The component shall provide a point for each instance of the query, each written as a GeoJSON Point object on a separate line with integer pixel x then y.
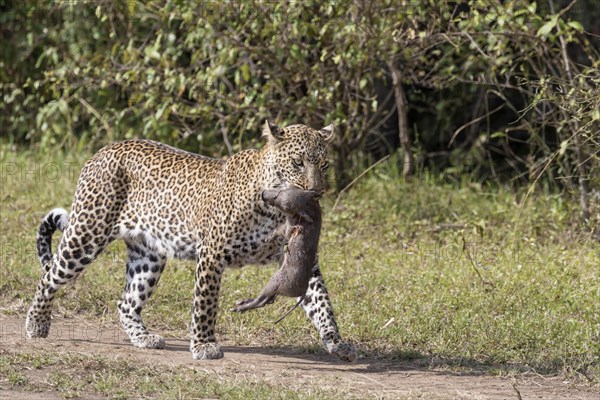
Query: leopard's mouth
{"type": "Point", "coordinates": [286, 185]}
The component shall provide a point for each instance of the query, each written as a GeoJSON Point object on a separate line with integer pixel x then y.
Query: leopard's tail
{"type": "Point", "coordinates": [55, 219]}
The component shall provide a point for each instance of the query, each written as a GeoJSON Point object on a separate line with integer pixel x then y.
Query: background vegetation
{"type": "Point", "coordinates": [502, 89]}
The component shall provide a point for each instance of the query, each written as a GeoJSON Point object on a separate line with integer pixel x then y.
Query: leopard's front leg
{"type": "Point", "coordinates": [204, 314]}
{"type": "Point", "coordinates": [317, 306]}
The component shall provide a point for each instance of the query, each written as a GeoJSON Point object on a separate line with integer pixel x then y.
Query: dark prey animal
{"type": "Point", "coordinates": [303, 229]}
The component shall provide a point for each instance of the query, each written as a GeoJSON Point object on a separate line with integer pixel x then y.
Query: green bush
{"type": "Point", "coordinates": [204, 75]}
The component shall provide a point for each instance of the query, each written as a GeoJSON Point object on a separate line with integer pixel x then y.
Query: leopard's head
{"type": "Point", "coordinates": [298, 155]}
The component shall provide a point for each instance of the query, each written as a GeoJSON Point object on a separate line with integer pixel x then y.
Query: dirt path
{"type": "Point", "coordinates": [368, 378]}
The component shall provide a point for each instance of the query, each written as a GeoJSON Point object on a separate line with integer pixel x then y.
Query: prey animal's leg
{"type": "Point", "coordinates": [250, 304]}
{"type": "Point", "coordinates": [317, 306]}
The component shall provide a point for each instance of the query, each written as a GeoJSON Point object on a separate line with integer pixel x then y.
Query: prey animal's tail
{"type": "Point", "coordinates": [301, 299]}
{"type": "Point", "coordinates": [55, 219]}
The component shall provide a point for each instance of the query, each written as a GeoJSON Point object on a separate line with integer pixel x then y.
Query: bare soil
{"type": "Point", "coordinates": [368, 378]}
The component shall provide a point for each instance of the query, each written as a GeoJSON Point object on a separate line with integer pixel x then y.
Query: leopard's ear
{"type": "Point", "coordinates": [327, 133]}
{"type": "Point", "coordinates": [272, 132]}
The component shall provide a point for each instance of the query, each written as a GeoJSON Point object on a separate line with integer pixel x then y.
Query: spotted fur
{"type": "Point", "coordinates": [164, 203]}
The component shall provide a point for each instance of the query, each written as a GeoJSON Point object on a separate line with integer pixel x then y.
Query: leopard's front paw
{"type": "Point", "coordinates": [344, 351]}
{"type": "Point", "coordinates": [149, 341]}
{"type": "Point", "coordinates": [207, 351]}
{"type": "Point", "coordinates": [37, 326]}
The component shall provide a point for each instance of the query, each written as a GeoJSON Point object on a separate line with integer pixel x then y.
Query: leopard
{"type": "Point", "coordinates": [167, 203]}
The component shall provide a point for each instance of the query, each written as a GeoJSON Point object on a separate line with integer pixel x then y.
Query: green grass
{"type": "Point", "coordinates": [75, 375]}
{"type": "Point", "coordinates": [469, 274]}
{"type": "Point", "coordinates": [412, 252]}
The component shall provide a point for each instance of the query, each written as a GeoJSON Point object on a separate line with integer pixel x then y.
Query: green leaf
{"type": "Point", "coordinates": [575, 25]}
{"type": "Point", "coordinates": [159, 113]}
{"type": "Point", "coordinates": [295, 51]}
{"type": "Point", "coordinates": [545, 29]}
{"type": "Point", "coordinates": [564, 145]}
{"type": "Point", "coordinates": [245, 72]}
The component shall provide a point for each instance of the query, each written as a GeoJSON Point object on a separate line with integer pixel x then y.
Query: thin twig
{"type": "Point", "coordinates": [91, 109]}
{"type": "Point", "coordinates": [518, 392]}
{"type": "Point", "coordinates": [459, 130]}
{"type": "Point", "coordinates": [339, 196]}
{"type": "Point", "coordinates": [466, 250]}
{"type": "Point", "coordinates": [529, 190]}
{"type": "Point", "coordinates": [401, 108]}
{"type": "Point", "coordinates": [474, 43]}
{"type": "Point", "coordinates": [225, 138]}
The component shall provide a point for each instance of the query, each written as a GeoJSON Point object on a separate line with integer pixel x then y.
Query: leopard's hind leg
{"type": "Point", "coordinates": [89, 228]}
{"type": "Point", "coordinates": [76, 250]}
{"type": "Point", "coordinates": [144, 267]}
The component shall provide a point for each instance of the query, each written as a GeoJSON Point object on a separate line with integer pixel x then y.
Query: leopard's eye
{"type": "Point", "coordinates": [298, 162]}
{"type": "Point", "coordinates": [324, 165]}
